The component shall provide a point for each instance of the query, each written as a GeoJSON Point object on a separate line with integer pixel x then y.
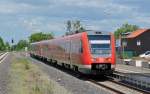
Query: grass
{"type": "Point", "coordinates": [27, 78]}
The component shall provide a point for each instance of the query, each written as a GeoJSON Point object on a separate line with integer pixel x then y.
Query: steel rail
{"type": "Point", "coordinates": [102, 85]}
{"type": "Point", "coordinates": [107, 87]}
{"type": "Point", "coordinates": [131, 87]}
{"type": "Point", "coordinates": [112, 79]}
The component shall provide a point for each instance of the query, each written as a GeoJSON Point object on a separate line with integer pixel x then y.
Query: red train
{"type": "Point", "coordinates": [87, 52]}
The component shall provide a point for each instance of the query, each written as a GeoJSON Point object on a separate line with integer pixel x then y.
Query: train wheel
{"type": "Point", "coordinates": [76, 68]}
{"type": "Point", "coordinates": [50, 61]}
{"type": "Point", "coordinates": [55, 63]}
{"type": "Point", "coordinates": [63, 65]}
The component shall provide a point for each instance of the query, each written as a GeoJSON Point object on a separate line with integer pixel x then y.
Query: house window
{"type": "Point", "coordinates": [124, 43]}
{"type": "Point", "coordinates": [138, 42]}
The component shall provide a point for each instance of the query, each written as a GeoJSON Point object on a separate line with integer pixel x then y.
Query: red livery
{"type": "Point", "coordinates": [87, 52]}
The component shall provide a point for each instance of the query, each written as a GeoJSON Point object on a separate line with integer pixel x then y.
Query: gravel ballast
{"type": "Point", "coordinates": [71, 83]}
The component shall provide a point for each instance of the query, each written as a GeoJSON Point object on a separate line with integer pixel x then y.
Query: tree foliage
{"type": "Point", "coordinates": [74, 27]}
{"type": "Point", "coordinates": [124, 29]}
{"type": "Point", "coordinates": [22, 44]}
{"type": "Point", "coordinates": [40, 36]}
{"type": "Point", "coordinates": [69, 25]}
{"type": "Point", "coordinates": [7, 46]}
{"type": "Point", "coordinates": [2, 45]}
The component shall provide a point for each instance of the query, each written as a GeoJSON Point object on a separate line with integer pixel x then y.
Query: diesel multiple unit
{"type": "Point", "coordinates": [88, 52]}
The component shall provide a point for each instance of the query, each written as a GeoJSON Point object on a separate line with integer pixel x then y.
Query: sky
{"type": "Point", "coordinates": [21, 18]}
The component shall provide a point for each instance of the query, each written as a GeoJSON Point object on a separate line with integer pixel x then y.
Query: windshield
{"type": "Point", "coordinates": [100, 45]}
{"type": "Point", "coordinates": [99, 37]}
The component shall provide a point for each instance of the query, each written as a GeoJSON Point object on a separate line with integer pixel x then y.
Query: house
{"type": "Point", "coordinates": [137, 41]}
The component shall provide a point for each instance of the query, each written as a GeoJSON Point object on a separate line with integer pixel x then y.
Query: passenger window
{"type": "Point", "coordinates": [81, 48]}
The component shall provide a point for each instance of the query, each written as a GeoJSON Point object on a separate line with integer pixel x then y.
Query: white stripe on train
{"type": "Point", "coordinates": [100, 41]}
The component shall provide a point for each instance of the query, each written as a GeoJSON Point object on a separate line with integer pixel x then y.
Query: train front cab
{"type": "Point", "coordinates": [98, 53]}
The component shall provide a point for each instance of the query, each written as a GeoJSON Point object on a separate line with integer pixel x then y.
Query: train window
{"type": "Point", "coordinates": [81, 50]}
{"type": "Point", "coordinates": [80, 47]}
{"type": "Point", "coordinates": [100, 45]}
{"type": "Point", "coordinates": [73, 46]}
{"type": "Point", "coordinates": [99, 37]}
{"type": "Point", "coordinates": [67, 46]}
{"type": "Point", "coordinates": [76, 46]}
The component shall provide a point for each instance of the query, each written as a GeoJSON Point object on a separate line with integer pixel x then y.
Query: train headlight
{"type": "Point", "coordinates": [108, 59]}
{"type": "Point", "coordinates": [93, 59]}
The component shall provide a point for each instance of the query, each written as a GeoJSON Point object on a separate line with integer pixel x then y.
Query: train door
{"type": "Point", "coordinates": [70, 52]}
{"type": "Point", "coordinates": [75, 53]}
{"type": "Point", "coordinates": [41, 50]}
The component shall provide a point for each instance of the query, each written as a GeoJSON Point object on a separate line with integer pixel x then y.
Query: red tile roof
{"type": "Point", "coordinates": [137, 33]}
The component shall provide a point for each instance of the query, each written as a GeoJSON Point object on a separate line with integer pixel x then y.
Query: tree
{"type": "Point", "coordinates": [124, 29]}
{"type": "Point", "coordinates": [74, 27]}
{"type": "Point", "coordinates": [7, 46]}
{"type": "Point", "coordinates": [69, 25]}
{"type": "Point", "coordinates": [21, 45]}
{"type": "Point", "coordinates": [77, 26]}
{"type": "Point", "coordinates": [2, 45]}
{"type": "Point", "coordinates": [40, 36]}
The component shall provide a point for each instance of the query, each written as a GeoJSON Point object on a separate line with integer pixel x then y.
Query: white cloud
{"type": "Point", "coordinates": [115, 9]}
{"type": "Point", "coordinates": [105, 25]}
{"type": "Point", "coordinates": [77, 3]}
{"type": "Point", "coordinates": [105, 15]}
{"type": "Point", "coordinates": [108, 6]}
{"type": "Point", "coordinates": [10, 7]}
{"type": "Point", "coordinates": [38, 24]}
{"type": "Point", "coordinates": [143, 19]}
{"type": "Point", "coordinates": [56, 6]}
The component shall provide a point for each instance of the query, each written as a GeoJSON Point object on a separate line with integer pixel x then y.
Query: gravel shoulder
{"type": "Point", "coordinates": [71, 83]}
{"type": "Point", "coordinates": [68, 82]}
{"type": "Point", "coordinates": [9, 85]}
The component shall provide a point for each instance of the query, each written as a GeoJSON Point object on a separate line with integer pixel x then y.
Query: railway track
{"type": "Point", "coordinates": [106, 87]}
{"type": "Point", "coordinates": [111, 84]}
{"type": "Point", "coordinates": [118, 87]}
{"type": "Point", "coordinates": [130, 82]}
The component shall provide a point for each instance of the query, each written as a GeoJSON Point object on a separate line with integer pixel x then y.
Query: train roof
{"type": "Point", "coordinates": [43, 41]}
{"type": "Point", "coordinates": [89, 32]}
{"type": "Point", "coordinates": [94, 32]}
{"type": "Point", "coordinates": [59, 38]}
